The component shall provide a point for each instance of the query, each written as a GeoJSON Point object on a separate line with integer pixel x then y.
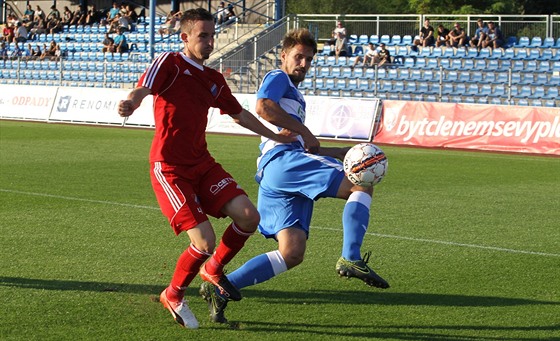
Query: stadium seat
{"type": "Point", "coordinates": [557, 44]}
{"type": "Point", "coordinates": [363, 39]}
{"type": "Point", "coordinates": [430, 76]}
{"type": "Point", "coordinates": [447, 89]}
{"type": "Point", "coordinates": [548, 42]}
{"type": "Point", "coordinates": [483, 54]}
{"type": "Point", "coordinates": [520, 54]}
{"type": "Point", "coordinates": [546, 55]}
{"type": "Point", "coordinates": [374, 38]}
{"type": "Point", "coordinates": [496, 54]}
{"type": "Point", "coordinates": [415, 75]}
{"type": "Point", "coordinates": [437, 52]}
{"type": "Point", "coordinates": [523, 42]}
{"type": "Point", "coordinates": [406, 40]}
{"type": "Point", "coordinates": [456, 64]}
{"type": "Point", "coordinates": [353, 39]}
{"type": "Point", "coordinates": [508, 54]}
{"type": "Point", "coordinates": [552, 93]}
{"type": "Point", "coordinates": [471, 53]}
{"type": "Point", "coordinates": [522, 102]}
{"type": "Point", "coordinates": [448, 53]}
{"type": "Point", "coordinates": [530, 66]}
{"type": "Point", "coordinates": [518, 66]}
{"type": "Point", "coordinates": [472, 90]}
{"type": "Point", "coordinates": [526, 78]}
{"type": "Point", "coordinates": [485, 90]}
{"type": "Point", "coordinates": [432, 64]}
{"type": "Point", "coordinates": [550, 103]}
{"type": "Point", "coordinates": [358, 51]}
{"type": "Point", "coordinates": [479, 64]}
{"type": "Point", "coordinates": [464, 76]}
{"type": "Point", "coordinates": [499, 90]}
{"type": "Point", "coordinates": [495, 101]}
{"type": "Point", "coordinates": [536, 42]}
{"type": "Point", "coordinates": [468, 64]}
{"type": "Point", "coordinates": [476, 77]}
{"type": "Point", "coordinates": [385, 39]}
{"type": "Point", "coordinates": [396, 40]}
{"type": "Point", "coordinates": [533, 54]}
{"type": "Point", "coordinates": [541, 78]}
{"type": "Point", "coordinates": [538, 92]}
{"type": "Point", "coordinates": [409, 87]}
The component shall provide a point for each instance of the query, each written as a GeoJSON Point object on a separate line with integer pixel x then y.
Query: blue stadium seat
{"type": "Point", "coordinates": [479, 64]}
{"type": "Point", "coordinates": [456, 64]}
{"type": "Point", "coordinates": [518, 66]}
{"type": "Point", "coordinates": [522, 102]}
{"type": "Point", "coordinates": [496, 54]}
{"type": "Point", "coordinates": [464, 76]}
{"type": "Point", "coordinates": [546, 55]}
{"type": "Point", "coordinates": [550, 103]}
{"type": "Point", "coordinates": [485, 90]}
{"type": "Point", "coordinates": [552, 93]}
{"type": "Point", "coordinates": [447, 89]}
{"type": "Point", "coordinates": [548, 42]}
{"type": "Point", "coordinates": [421, 63]}
{"type": "Point", "coordinates": [335, 72]}
{"type": "Point", "coordinates": [358, 51]}
{"type": "Point", "coordinates": [476, 77]}
{"type": "Point", "coordinates": [472, 90]}
{"type": "Point", "coordinates": [409, 62]}
{"type": "Point", "coordinates": [385, 39]}
{"type": "Point", "coordinates": [499, 90]}
{"type": "Point", "coordinates": [415, 75]}
{"type": "Point", "coordinates": [374, 38]}
{"type": "Point", "coordinates": [538, 92]}
{"type": "Point", "coordinates": [534, 53]}
{"type": "Point", "coordinates": [508, 54]}
{"type": "Point", "coordinates": [396, 40]}
{"type": "Point", "coordinates": [495, 101]}
{"type": "Point", "coordinates": [363, 39]}
{"type": "Point", "coordinates": [429, 76]}
{"type": "Point", "coordinates": [520, 54]}
{"type": "Point", "coordinates": [406, 40]}
{"type": "Point", "coordinates": [448, 53]}
{"type": "Point", "coordinates": [530, 66]}
{"type": "Point", "coordinates": [437, 52]}
{"type": "Point", "coordinates": [536, 103]}
{"type": "Point", "coordinates": [483, 53]}
{"type": "Point", "coordinates": [536, 42]}
{"type": "Point", "coordinates": [468, 64]}
{"type": "Point", "coordinates": [432, 64]}
{"type": "Point", "coordinates": [557, 44]}
{"type": "Point", "coordinates": [526, 78]}
{"type": "Point", "coordinates": [523, 42]}
{"type": "Point", "coordinates": [353, 39]}
{"type": "Point", "coordinates": [471, 53]}
{"type": "Point", "coordinates": [541, 79]}
{"type": "Point", "coordinates": [409, 87]}
{"type": "Point", "coordinates": [460, 52]}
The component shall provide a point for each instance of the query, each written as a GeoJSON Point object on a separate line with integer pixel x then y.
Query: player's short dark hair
{"type": "Point", "coordinates": [299, 36]}
{"type": "Point", "coordinates": [192, 15]}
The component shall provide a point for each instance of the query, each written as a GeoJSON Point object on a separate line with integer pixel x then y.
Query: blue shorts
{"type": "Point", "coordinates": [290, 184]}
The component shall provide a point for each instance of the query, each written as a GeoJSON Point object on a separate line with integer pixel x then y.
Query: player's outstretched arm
{"type": "Point", "coordinates": [273, 113]}
{"type": "Point", "coordinates": [133, 101]}
{"type": "Point", "coordinates": [249, 121]}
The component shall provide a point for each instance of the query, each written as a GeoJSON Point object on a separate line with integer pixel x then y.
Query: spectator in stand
{"type": "Point", "coordinates": [38, 28]}
{"type": "Point", "coordinates": [130, 14]}
{"type": "Point", "coordinates": [340, 29]}
{"type": "Point", "coordinates": [121, 44]}
{"type": "Point", "coordinates": [48, 52]}
{"type": "Point", "coordinates": [54, 26]}
{"type": "Point", "coordinates": [384, 55]}
{"type": "Point", "coordinates": [221, 14]}
{"type": "Point", "coordinates": [230, 15]}
{"type": "Point", "coordinates": [94, 16]}
{"type": "Point", "coordinates": [29, 14]}
{"type": "Point", "coordinates": [479, 35]}
{"type": "Point", "coordinates": [20, 33]}
{"type": "Point", "coordinates": [426, 36]}
{"type": "Point", "coordinates": [39, 14]}
{"type": "Point", "coordinates": [443, 36]}
{"type": "Point", "coordinates": [54, 14]}
{"type": "Point", "coordinates": [36, 52]}
{"type": "Point", "coordinates": [457, 36]}
{"type": "Point", "coordinates": [108, 44]}
{"type": "Point", "coordinates": [3, 51]}
{"type": "Point", "coordinates": [341, 46]}
{"type": "Point", "coordinates": [28, 52]}
{"type": "Point", "coordinates": [172, 23]}
{"type": "Point", "coordinates": [8, 33]}
{"type": "Point", "coordinates": [17, 52]}
{"type": "Point", "coordinates": [67, 16]}
{"type": "Point", "coordinates": [495, 38]}
{"type": "Point", "coordinates": [370, 56]}
{"type": "Point", "coordinates": [79, 16]}
{"type": "Point", "coordinates": [113, 12]}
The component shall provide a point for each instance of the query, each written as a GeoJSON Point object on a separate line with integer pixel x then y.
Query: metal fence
{"type": "Point", "coordinates": [410, 24]}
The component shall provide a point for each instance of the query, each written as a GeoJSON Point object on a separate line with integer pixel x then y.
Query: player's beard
{"type": "Point", "coordinates": [297, 78]}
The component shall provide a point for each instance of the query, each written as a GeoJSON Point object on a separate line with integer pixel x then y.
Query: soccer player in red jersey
{"type": "Point", "coordinates": [187, 181]}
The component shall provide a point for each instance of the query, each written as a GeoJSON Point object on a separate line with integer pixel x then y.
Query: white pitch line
{"type": "Point", "coordinates": [493, 248]}
{"type": "Point", "coordinates": [79, 199]}
{"type": "Point", "coordinates": [451, 243]}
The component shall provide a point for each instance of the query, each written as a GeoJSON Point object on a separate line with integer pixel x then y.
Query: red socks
{"type": "Point", "coordinates": [232, 241]}
{"type": "Point", "coordinates": [186, 270]}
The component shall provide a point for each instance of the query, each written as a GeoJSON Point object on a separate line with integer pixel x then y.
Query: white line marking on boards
{"type": "Point", "coordinates": [492, 248]}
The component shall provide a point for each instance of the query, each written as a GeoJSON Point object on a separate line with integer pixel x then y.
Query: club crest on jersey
{"type": "Point", "coordinates": [187, 72]}
{"type": "Point", "coordinates": [214, 90]}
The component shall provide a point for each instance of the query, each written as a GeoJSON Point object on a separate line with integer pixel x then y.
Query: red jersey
{"type": "Point", "coordinates": [183, 93]}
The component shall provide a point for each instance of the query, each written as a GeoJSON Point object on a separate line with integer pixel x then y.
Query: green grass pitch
{"type": "Point", "coordinates": [469, 241]}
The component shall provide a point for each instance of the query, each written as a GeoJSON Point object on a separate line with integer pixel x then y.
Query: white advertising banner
{"type": "Point", "coordinates": [26, 102]}
{"type": "Point", "coordinates": [338, 118]}
{"type": "Point", "coordinates": [87, 105]}
{"type": "Point", "coordinates": [341, 118]}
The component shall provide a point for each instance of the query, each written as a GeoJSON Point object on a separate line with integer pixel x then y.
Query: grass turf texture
{"type": "Point", "coordinates": [469, 242]}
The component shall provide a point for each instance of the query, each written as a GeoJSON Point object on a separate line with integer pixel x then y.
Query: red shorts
{"type": "Point", "coordinates": [187, 193]}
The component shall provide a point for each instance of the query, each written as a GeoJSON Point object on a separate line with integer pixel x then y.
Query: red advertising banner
{"type": "Point", "coordinates": [485, 127]}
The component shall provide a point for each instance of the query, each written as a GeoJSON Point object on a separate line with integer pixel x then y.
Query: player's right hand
{"type": "Point", "coordinates": [126, 108]}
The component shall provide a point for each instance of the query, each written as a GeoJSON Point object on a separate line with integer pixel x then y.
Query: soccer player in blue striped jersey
{"type": "Point", "coordinates": [291, 177]}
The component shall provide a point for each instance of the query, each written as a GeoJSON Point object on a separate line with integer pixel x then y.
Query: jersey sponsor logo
{"type": "Point", "coordinates": [214, 189]}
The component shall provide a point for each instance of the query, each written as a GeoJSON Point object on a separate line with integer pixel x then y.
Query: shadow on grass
{"type": "Point", "coordinates": [379, 297]}
{"type": "Point", "coordinates": [401, 332]}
